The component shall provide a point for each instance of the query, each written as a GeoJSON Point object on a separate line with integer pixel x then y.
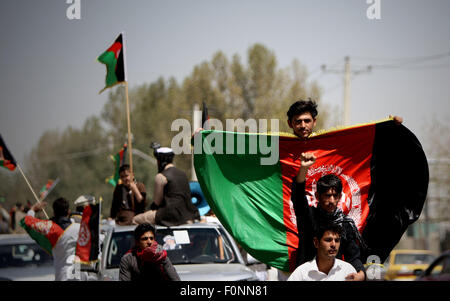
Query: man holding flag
{"type": "Point", "coordinates": [255, 204]}
{"type": "Point", "coordinates": [57, 236]}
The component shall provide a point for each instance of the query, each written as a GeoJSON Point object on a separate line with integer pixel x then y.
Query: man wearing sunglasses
{"type": "Point", "coordinates": [147, 260]}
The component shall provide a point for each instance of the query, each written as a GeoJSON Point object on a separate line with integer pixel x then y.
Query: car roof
{"type": "Point", "coordinates": [7, 239]}
{"type": "Point", "coordinates": [118, 228]}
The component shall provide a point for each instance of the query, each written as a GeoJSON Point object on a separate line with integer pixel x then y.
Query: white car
{"type": "Point", "coordinates": [22, 259]}
{"type": "Point", "coordinates": [199, 252]}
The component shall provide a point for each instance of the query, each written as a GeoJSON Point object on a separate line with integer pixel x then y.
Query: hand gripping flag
{"type": "Point", "coordinates": [382, 166]}
{"type": "Point", "coordinates": [6, 159]}
{"type": "Point", "coordinates": [87, 249]}
{"type": "Point", "coordinates": [113, 58]}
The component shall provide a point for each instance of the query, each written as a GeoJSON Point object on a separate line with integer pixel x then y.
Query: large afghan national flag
{"type": "Point", "coordinates": [45, 232]}
{"type": "Point", "coordinates": [382, 166]}
{"type": "Point", "coordinates": [6, 159]}
{"type": "Point", "coordinates": [88, 244]}
{"type": "Point", "coordinates": [113, 58]}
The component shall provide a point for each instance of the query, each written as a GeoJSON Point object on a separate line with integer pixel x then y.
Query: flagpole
{"type": "Point", "coordinates": [29, 186]}
{"type": "Point", "coordinates": [126, 95]}
{"type": "Point", "coordinates": [129, 128]}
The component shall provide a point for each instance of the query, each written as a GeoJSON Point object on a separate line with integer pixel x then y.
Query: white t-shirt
{"type": "Point", "coordinates": [310, 272]}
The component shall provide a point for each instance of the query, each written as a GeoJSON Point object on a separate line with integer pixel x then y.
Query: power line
{"type": "Point", "coordinates": [405, 63]}
{"type": "Point", "coordinates": [74, 155]}
{"type": "Point", "coordinates": [417, 58]}
{"type": "Point", "coordinates": [347, 76]}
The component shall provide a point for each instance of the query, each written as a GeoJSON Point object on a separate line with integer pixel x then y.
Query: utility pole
{"type": "Point", "coordinates": [197, 123]}
{"type": "Point", "coordinates": [347, 75]}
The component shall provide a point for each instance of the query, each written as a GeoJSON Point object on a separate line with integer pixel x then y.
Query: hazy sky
{"type": "Point", "coordinates": [50, 78]}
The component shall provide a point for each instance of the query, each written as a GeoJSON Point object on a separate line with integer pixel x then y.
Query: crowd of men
{"type": "Point", "coordinates": [329, 249]}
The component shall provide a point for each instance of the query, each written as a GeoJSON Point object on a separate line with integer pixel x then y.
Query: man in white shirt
{"type": "Point", "coordinates": [325, 266]}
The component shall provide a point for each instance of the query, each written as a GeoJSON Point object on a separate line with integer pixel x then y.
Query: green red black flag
{"type": "Point", "coordinates": [45, 232]}
{"type": "Point", "coordinates": [119, 160]}
{"type": "Point", "coordinates": [113, 58]}
{"type": "Point", "coordinates": [382, 166]}
{"type": "Point", "coordinates": [47, 188]}
{"type": "Point", "coordinates": [6, 158]}
{"type": "Point", "coordinates": [87, 249]}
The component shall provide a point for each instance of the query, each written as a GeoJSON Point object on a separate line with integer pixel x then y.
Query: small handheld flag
{"type": "Point", "coordinates": [88, 238]}
{"type": "Point", "coordinates": [47, 188]}
{"type": "Point", "coordinates": [119, 160]}
{"type": "Point", "coordinates": [45, 232]}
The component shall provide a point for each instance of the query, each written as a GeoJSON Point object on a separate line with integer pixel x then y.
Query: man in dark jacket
{"type": "Point", "coordinates": [172, 203]}
{"type": "Point", "coordinates": [147, 260]}
{"type": "Point", "coordinates": [129, 197]}
{"type": "Point", "coordinates": [329, 189]}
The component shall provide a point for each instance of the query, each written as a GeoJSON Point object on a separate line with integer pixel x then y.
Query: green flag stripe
{"type": "Point", "coordinates": [109, 59]}
{"type": "Point", "coordinates": [246, 196]}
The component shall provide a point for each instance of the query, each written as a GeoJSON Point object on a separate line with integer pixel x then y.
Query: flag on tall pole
{"type": "Point", "coordinates": [113, 58]}
{"type": "Point", "coordinates": [116, 72]}
{"type": "Point", "coordinates": [6, 158]}
{"type": "Point", "coordinates": [382, 166]}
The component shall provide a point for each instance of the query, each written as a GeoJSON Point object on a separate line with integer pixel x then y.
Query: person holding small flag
{"type": "Point", "coordinates": [57, 236]}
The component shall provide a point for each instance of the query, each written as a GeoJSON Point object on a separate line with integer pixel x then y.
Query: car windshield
{"type": "Point", "coordinates": [414, 258]}
{"type": "Point", "coordinates": [24, 254]}
{"type": "Point", "coordinates": [183, 246]}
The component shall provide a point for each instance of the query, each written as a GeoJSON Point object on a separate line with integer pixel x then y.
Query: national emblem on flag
{"type": "Point", "coordinates": [45, 232]}
{"type": "Point", "coordinates": [87, 249]}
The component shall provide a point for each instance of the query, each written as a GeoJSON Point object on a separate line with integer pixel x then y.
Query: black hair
{"type": "Point", "coordinates": [143, 228]}
{"type": "Point", "coordinates": [330, 226]}
{"type": "Point", "coordinates": [124, 167]}
{"type": "Point", "coordinates": [302, 106]}
{"type": "Point", "coordinates": [60, 207]}
{"type": "Point", "coordinates": [329, 181]}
